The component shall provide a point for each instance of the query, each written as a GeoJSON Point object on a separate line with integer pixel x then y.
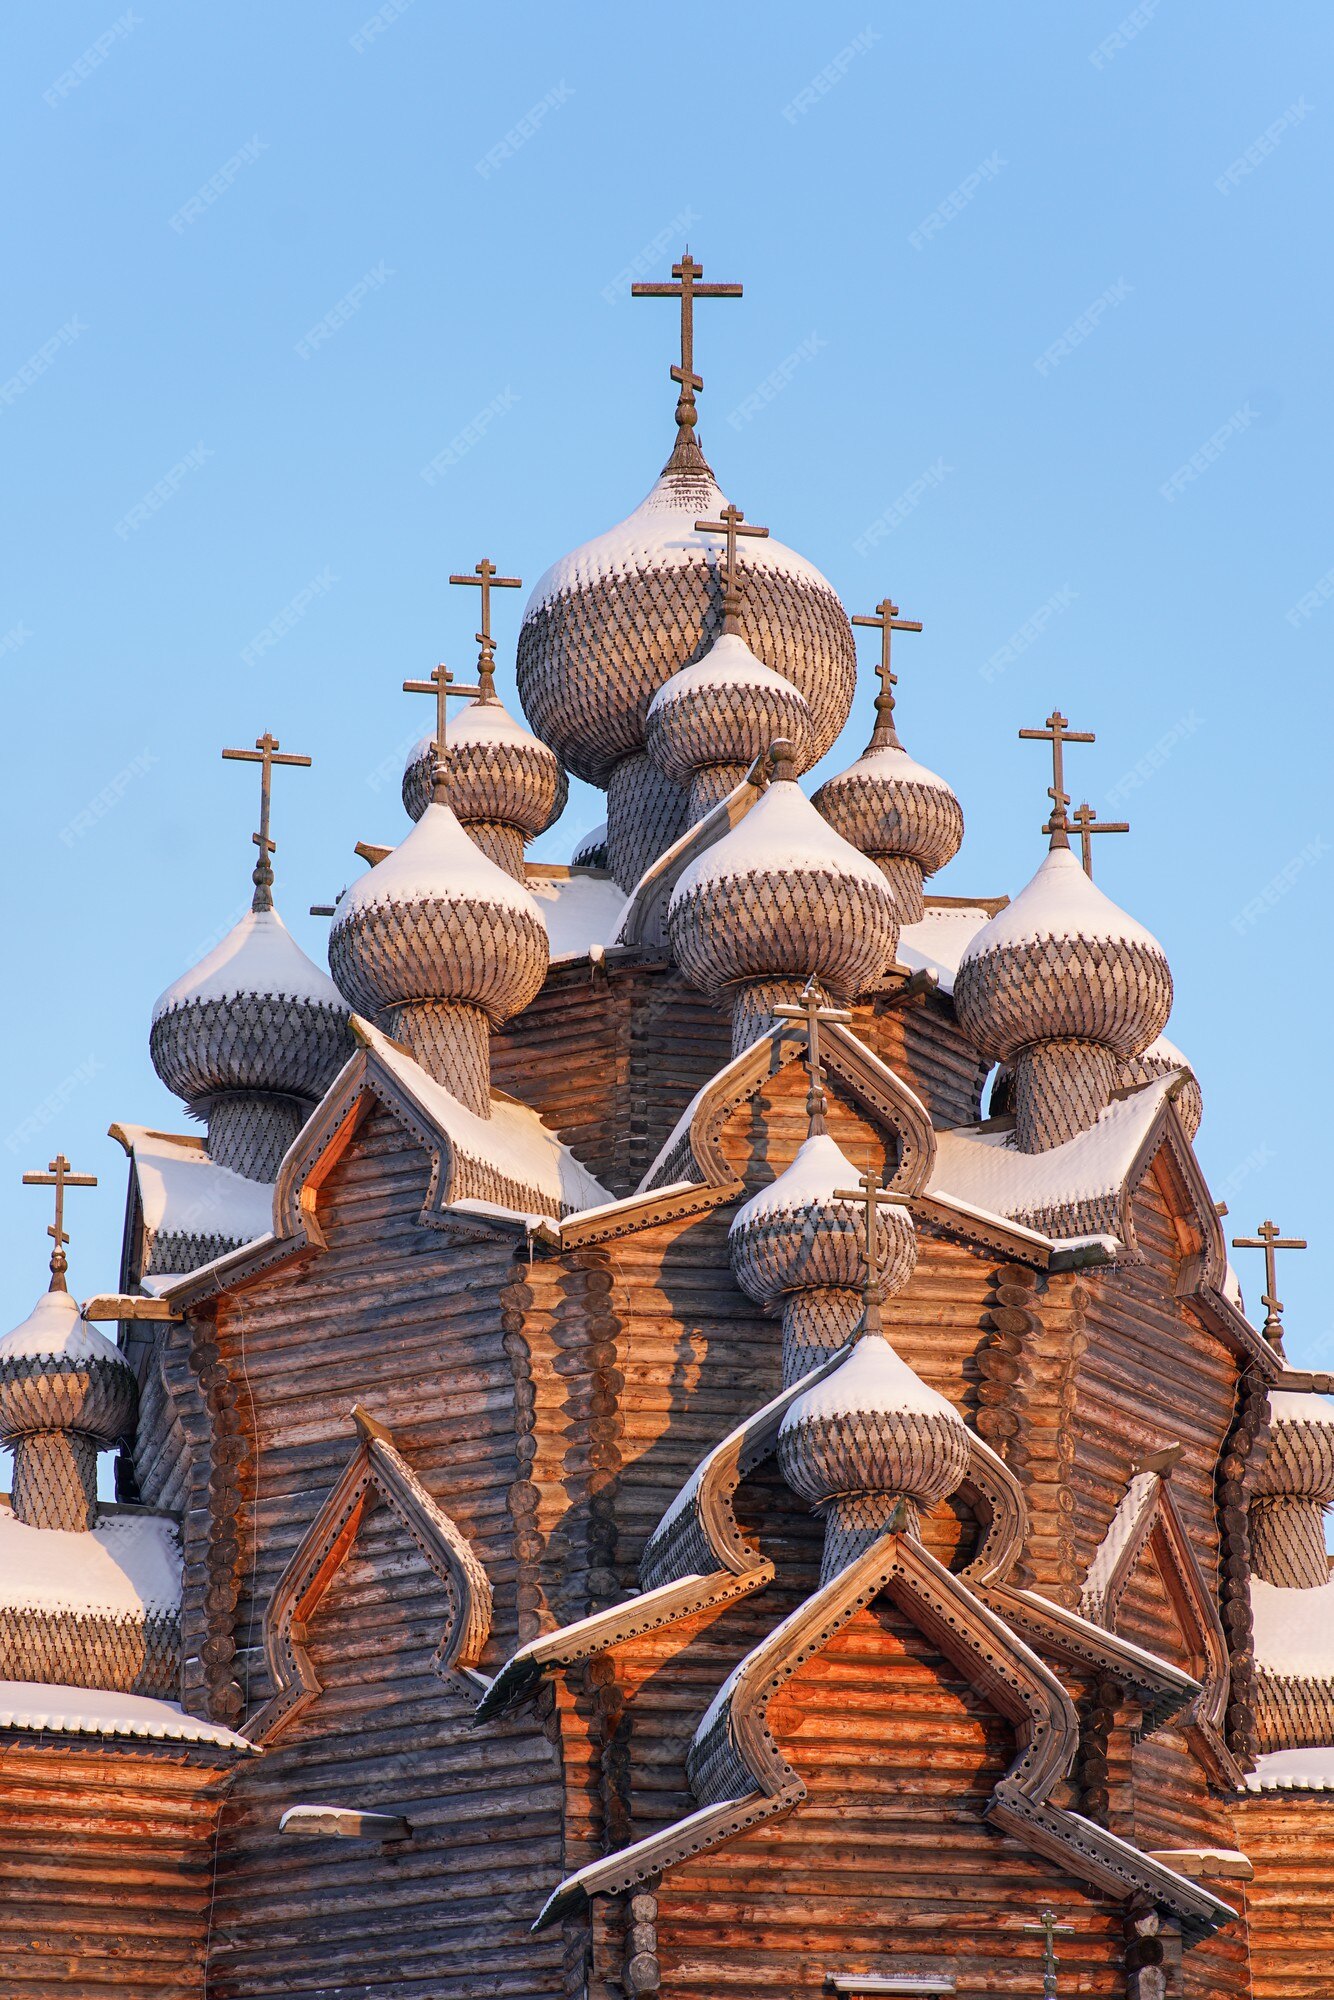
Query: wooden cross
{"type": "Point", "coordinates": [1049, 1929]}
{"type": "Point", "coordinates": [729, 523]}
{"type": "Point", "coordinates": [886, 619]}
{"type": "Point", "coordinates": [485, 578]}
{"type": "Point", "coordinates": [442, 685]}
{"type": "Point", "coordinates": [1088, 823]}
{"type": "Point", "coordinates": [813, 1009]}
{"type": "Point", "coordinates": [59, 1177]}
{"type": "Point", "coordinates": [1058, 733]}
{"type": "Point", "coordinates": [687, 289]}
{"type": "Point", "coordinates": [1268, 1239]}
{"type": "Point", "coordinates": [872, 1194]}
{"type": "Point", "coordinates": [265, 754]}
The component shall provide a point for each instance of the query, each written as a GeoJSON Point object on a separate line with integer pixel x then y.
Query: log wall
{"type": "Point", "coordinates": [1289, 1837]}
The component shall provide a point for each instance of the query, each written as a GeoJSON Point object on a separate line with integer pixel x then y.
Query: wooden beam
{"type": "Point", "coordinates": [343, 1823]}
{"type": "Point", "coordinates": [124, 1305]}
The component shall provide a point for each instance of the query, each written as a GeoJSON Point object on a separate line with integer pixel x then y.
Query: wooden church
{"type": "Point", "coordinates": [684, 1424]}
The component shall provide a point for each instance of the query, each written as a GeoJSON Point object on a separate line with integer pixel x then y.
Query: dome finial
{"type": "Point", "coordinates": [871, 1194]}
{"type": "Point", "coordinates": [886, 619]}
{"type": "Point", "coordinates": [59, 1177]}
{"type": "Point", "coordinates": [813, 1008]}
{"type": "Point", "coordinates": [265, 754]}
{"type": "Point", "coordinates": [687, 289]}
{"type": "Point", "coordinates": [442, 685]}
{"type": "Point", "coordinates": [1088, 823]}
{"type": "Point", "coordinates": [729, 523]}
{"type": "Point", "coordinates": [1058, 733]}
{"type": "Point", "coordinates": [1267, 1238]}
{"type": "Point", "coordinates": [485, 578]}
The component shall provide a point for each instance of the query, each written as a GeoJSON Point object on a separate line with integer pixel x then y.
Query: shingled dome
{"type": "Point", "coordinates": [712, 719]}
{"type": "Point", "coordinates": [505, 787]}
{"type": "Point", "coordinates": [65, 1394]}
{"type": "Point", "coordinates": [904, 816]}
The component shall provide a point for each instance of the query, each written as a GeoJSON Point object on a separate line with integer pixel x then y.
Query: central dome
{"type": "Point", "coordinates": [609, 624]}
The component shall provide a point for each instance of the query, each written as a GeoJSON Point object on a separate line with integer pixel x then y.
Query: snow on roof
{"type": "Point", "coordinates": [513, 1142]}
{"type": "Point", "coordinates": [258, 955]}
{"type": "Point", "coordinates": [436, 859]}
{"type": "Point", "coordinates": [820, 1166]}
{"type": "Point", "coordinates": [937, 943]}
{"type": "Point", "coordinates": [986, 1170]}
{"type": "Point", "coordinates": [729, 662]}
{"type": "Point", "coordinates": [873, 1378]}
{"type": "Point", "coordinates": [588, 844]}
{"type": "Point", "coordinates": [127, 1565]}
{"type": "Point", "coordinates": [184, 1193]}
{"type": "Point", "coordinates": [889, 763]}
{"type": "Point", "coordinates": [1299, 1406]}
{"type": "Point", "coordinates": [54, 1327]}
{"type": "Point", "coordinates": [579, 911]}
{"type": "Point", "coordinates": [482, 722]}
{"type": "Point", "coordinates": [1125, 1524]}
{"type": "Point", "coordinates": [1294, 1629]}
{"type": "Point", "coordinates": [1061, 901]}
{"type": "Point", "coordinates": [103, 1712]}
{"type": "Point", "coordinates": [660, 534]}
{"type": "Point", "coordinates": [782, 832]}
{"type": "Point", "coordinates": [1309, 1770]}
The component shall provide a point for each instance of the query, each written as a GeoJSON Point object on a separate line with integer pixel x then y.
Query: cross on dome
{"type": "Point", "coordinates": [265, 754]}
{"type": "Point", "coordinates": [731, 522]}
{"type": "Point", "coordinates": [687, 289]}
{"type": "Point", "coordinates": [813, 1008]}
{"type": "Point", "coordinates": [442, 685]}
{"type": "Point", "coordinates": [1269, 1239]}
{"type": "Point", "coordinates": [1058, 733]}
{"type": "Point", "coordinates": [887, 621]}
{"type": "Point", "coordinates": [485, 578]}
{"type": "Point", "coordinates": [59, 1176]}
{"type": "Point", "coordinates": [871, 1194]}
{"type": "Point", "coordinates": [1088, 823]}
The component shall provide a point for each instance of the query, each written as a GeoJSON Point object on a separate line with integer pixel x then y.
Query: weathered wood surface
{"type": "Point", "coordinates": [1289, 1837]}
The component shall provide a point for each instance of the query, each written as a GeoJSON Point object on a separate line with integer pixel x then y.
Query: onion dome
{"type": "Point", "coordinates": [1065, 986]}
{"type": "Point", "coordinates": [1160, 1059]}
{"type": "Point", "coordinates": [780, 899]}
{"type": "Point", "coordinates": [794, 1244]}
{"type": "Point", "coordinates": [868, 1435]}
{"type": "Point", "coordinates": [711, 720]}
{"type": "Point", "coordinates": [1292, 1489]}
{"type": "Point", "coordinates": [902, 815]}
{"type": "Point", "coordinates": [591, 851]}
{"type": "Point", "coordinates": [65, 1394]}
{"type": "Point", "coordinates": [504, 786]}
{"type": "Point", "coordinates": [438, 944]}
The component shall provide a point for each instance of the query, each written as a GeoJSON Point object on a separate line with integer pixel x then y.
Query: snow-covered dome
{"type": "Point", "coordinates": [65, 1393]}
{"type": "Point", "coordinates": [1299, 1463]}
{"type": "Point", "coordinates": [1160, 1059]}
{"type": "Point", "coordinates": [782, 897]}
{"type": "Point", "coordinates": [725, 709]}
{"type": "Point", "coordinates": [904, 816]}
{"type": "Point", "coordinates": [591, 850]}
{"type": "Point", "coordinates": [608, 624]}
{"type": "Point", "coordinates": [255, 1014]}
{"type": "Point", "coordinates": [793, 1234]}
{"type": "Point", "coordinates": [499, 779]}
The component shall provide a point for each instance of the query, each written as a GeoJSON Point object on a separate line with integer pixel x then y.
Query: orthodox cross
{"type": "Point", "coordinates": [687, 289]}
{"type": "Point", "coordinates": [886, 619]}
{"type": "Point", "coordinates": [265, 754]}
{"type": "Point", "coordinates": [485, 578]}
{"type": "Point", "coordinates": [872, 1194]}
{"type": "Point", "coordinates": [1048, 1928]}
{"type": "Point", "coordinates": [812, 1009]}
{"type": "Point", "coordinates": [1267, 1238]}
{"type": "Point", "coordinates": [1058, 733]}
{"type": "Point", "coordinates": [442, 685]}
{"type": "Point", "coordinates": [730, 523]}
{"type": "Point", "coordinates": [1088, 823]}
{"type": "Point", "coordinates": [59, 1177]}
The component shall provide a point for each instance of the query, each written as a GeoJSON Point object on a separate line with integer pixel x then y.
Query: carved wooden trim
{"type": "Point", "coordinates": [376, 1465]}
{"type": "Point", "coordinates": [996, 1497]}
{"type": "Point", "coordinates": [644, 919]}
{"type": "Point", "coordinates": [1065, 1636]}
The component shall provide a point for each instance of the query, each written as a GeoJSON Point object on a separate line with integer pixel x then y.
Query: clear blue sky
{"type": "Point", "coordinates": [922, 202]}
